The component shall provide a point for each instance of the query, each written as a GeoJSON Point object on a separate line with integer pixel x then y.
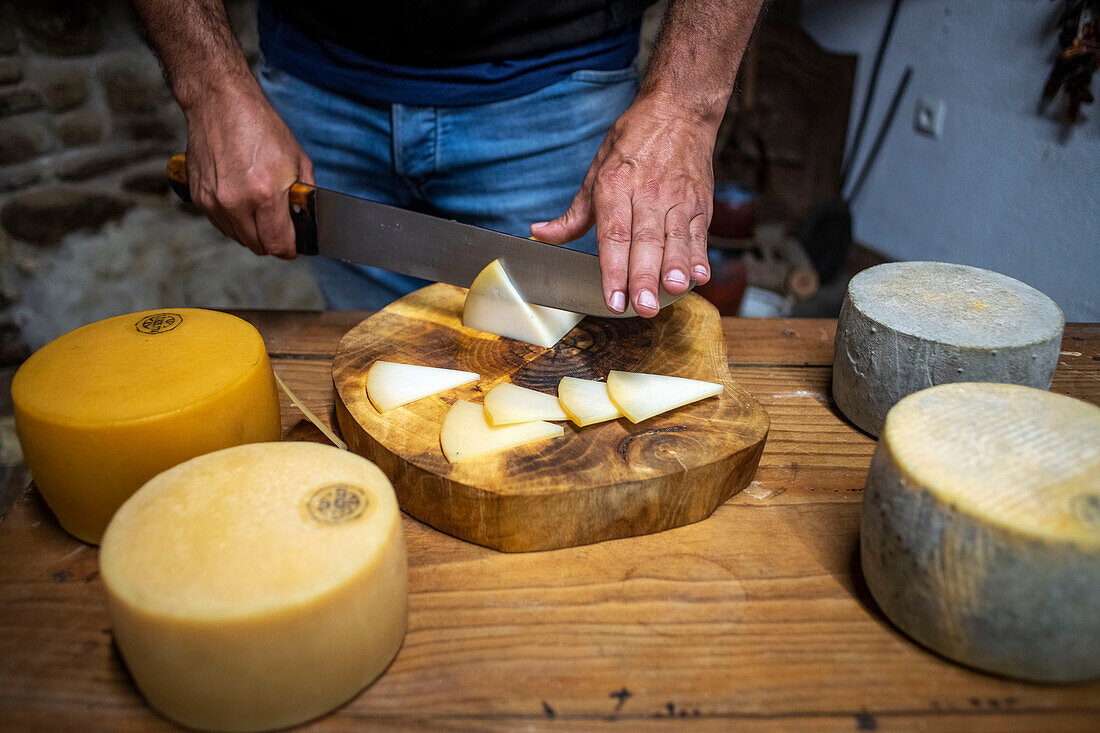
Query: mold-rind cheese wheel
{"type": "Point", "coordinates": [981, 528]}
{"type": "Point", "coordinates": [258, 586]}
{"type": "Point", "coordinates": [104, 408]}
{"type": "Point", "coordinates": [906, 326]}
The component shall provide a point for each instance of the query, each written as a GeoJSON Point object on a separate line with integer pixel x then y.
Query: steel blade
{"type": "Point", "coordinates": [368, 233]}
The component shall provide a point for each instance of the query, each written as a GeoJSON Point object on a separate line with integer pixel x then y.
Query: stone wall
{"type": "Point", "coordinates": [86, 126]}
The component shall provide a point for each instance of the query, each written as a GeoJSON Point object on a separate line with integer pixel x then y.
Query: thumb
{"type": "Point", "coordinates": [573, 224]}
{"type": "Point", "coordinates": [305, 169]}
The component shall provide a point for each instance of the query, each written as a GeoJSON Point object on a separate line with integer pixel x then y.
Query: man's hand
{"type": "Point", "coordinates": [241, 158]}
{"type": "Point", "coordinates": [650, 189]}
{"type": "Point", "coordinates": [649, 193]}
{"type": "Point", "coordinates": [241, 161]}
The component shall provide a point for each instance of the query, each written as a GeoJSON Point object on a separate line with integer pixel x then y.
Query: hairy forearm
{"type": "Point", "coordinates": [698, 50]}
{"type": "Point", "coordinates": [196, 47]}
{"type": "Point", "coordinates": [241, 158]}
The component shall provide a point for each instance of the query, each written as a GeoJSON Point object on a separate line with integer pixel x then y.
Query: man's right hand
{"type": "Point", "coordinates": [241, 161]}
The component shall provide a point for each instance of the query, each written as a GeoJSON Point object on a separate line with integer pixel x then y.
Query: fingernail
{"type": "Point", "coordinates": [676, 276]}
{"type": "Point", "coordinates": [647, 300]}
{"type": "Point", "coordinates": [618, 301]}
{"type": "Point", "coordinates": [699, 271]}
{"type": "Point", "coordinates": [540, 223]}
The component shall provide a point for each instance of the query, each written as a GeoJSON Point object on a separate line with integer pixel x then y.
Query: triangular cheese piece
{"type": "Point", "coordinates": [391, 385]}
{"type": "Point", "coordinates": [496, 306]}
{"type": "Point", "coordinates": [467, 434]}
{"type": "Point", "coordinates": [641, 396]}
{"type": "Point", "coordinates": [585, 401]}
{"type": "Point", "coordinates": [507, 404]}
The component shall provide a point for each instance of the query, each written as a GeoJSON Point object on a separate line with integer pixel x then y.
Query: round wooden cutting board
{"type": "Point", "coordinates": [605, 481]}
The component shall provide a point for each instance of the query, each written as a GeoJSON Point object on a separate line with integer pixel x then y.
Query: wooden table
{"type": "Point", "coordinates": [754, 619]}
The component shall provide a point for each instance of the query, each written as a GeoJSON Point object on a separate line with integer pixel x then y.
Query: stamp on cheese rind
{"type": "Point", "coordinates": [155, 323]}
{"type": "Point", "coordinates": [978, 535]}
{"type": "Point", "coordinates": [335, 504]}
{"type": "Point", "coordinates": [907, 326]}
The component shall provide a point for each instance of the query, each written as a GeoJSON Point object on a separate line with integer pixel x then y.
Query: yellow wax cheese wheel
{"type": "Point", "coordinates": [980, 533]}
{"type": "Point", "coordinates": [258, 586]}
{"type": "Point", "coordinates": [103, 409]}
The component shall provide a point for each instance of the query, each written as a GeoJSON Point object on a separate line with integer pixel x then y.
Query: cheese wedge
{"type": "Point", "coordinates": [980, 533]}
{"type": "Point", "coordinates": [391, 385]}
{"type": "Point", "coordinates": [495, 305]}
{"type": "Point", "coordinates": [905, 326]}
{"type": "Point", "coordinates": [507, 404]}
{"type": "Point", "coordinates": [257, 587]}
{"type": "Point", "coordinates": [585, 401]}
{"type": "Point", "coordinates": [104, 408]}
{"type": "Point", "coordinates": [642, 396]}
{"type": "Point", "coordinates": [467, 434]}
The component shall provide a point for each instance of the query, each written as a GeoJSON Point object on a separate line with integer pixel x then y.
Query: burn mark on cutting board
{"type": "Point", "coordinates": [589, 351]}
{"type": "Point", "coordinates": [621, 696]}
{"type": "Point", "coordinates": [866, 721]}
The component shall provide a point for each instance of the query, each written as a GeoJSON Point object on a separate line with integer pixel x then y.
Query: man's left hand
{"type": "Point", "coordinates": [649, 192]}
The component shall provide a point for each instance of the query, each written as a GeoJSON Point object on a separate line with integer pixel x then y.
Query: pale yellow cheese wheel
{"type": "Point", "coordinates": [258, 586]}
{"type": "Point", "coordinates": [103, 409]}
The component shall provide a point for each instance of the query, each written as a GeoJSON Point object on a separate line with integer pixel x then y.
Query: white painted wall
{"type": "Point", "coordinates": [1003, 188]}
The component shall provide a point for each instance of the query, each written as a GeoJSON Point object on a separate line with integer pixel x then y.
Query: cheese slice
{"type": "Point", "coordinates": [257, 587]}
{"type": "Point", "coordinates": [642, 396]}
{"type": "Point", "coordinates": [495, 305]}
{"type": "Point", "coordinates": [506, 404]}
{"type": "Point", "coordinates": [981, 528]}
{"type": "Point", "coordinates": [585, 401]}
{"type": "Point", "coordinates": [467, 434]}
{"type": "Point", "coordinates": [104, 408]}
{"type": "Point", "coordinates": [391, 385]}
{"type": "Point", "coordinates": [905, 326]}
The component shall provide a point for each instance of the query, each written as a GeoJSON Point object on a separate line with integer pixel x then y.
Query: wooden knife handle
{"type": "Point", "coordinates": [301, 198]}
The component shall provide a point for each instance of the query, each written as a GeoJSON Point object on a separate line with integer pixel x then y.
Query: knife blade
{"type": "Point", "coordinates": [365, 232]}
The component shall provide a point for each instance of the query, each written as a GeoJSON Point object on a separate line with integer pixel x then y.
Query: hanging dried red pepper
{"type": "Point", "coordinates": [1078, 58]}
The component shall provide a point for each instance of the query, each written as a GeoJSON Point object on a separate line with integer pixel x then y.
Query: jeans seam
{"type": "Point", "coordinates": [435, 140]}
{"type": "Point", "coordinates": [395, 140]}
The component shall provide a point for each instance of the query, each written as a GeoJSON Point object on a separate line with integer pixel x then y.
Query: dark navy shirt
{"type": "Point", "coordinates": [338, 69]}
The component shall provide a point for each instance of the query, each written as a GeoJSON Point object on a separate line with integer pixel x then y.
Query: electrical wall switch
{"type": "Point", "coordinates": [929, 117]}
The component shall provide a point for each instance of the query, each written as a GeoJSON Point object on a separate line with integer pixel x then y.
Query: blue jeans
{"type": "Point", "coordinates": [501, 166]}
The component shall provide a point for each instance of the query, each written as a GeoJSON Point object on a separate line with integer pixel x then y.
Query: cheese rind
{"type": "Point", "coordinates": [980, 533]}
{"type": "Point", "coordinates": [391, 385]}
{"type": "Point", "coordinates": [586, 401]}
{"type": "Point", "coordinates": [494, 305]}
{"type": "Point", "coordinates": [642, 396]}
{"type": "Point", "coordinates": [258, 586]}
{"type": "Point", "coordinates": [466, 433]}
{"type": "Point", "coordinates": [506, 404]}
{"type": "Point", "coordinates": [905, 326]}
{"type": "Point", "coordinates": [104, 408]}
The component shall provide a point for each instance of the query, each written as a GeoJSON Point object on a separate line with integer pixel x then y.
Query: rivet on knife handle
{"type": "Point", "coordinates": [303, 210]}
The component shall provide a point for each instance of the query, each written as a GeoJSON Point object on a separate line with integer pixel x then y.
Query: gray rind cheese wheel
{"type": "Point", "coordinates": [906, 326]}
{"type": "Point", "coordinates": [980, 533]}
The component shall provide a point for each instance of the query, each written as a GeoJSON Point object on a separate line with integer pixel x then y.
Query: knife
{"type": "Point", "coordinates": [367, 233]}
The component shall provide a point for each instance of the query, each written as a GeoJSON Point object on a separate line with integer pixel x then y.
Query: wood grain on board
{"type": "Point", "coordinates": [606, 481]}
{"type": "Point", "coordinates": [754, 619]}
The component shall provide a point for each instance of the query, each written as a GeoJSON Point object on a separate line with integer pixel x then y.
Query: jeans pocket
{"type": "Point", "coordinates": [606, 76]}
